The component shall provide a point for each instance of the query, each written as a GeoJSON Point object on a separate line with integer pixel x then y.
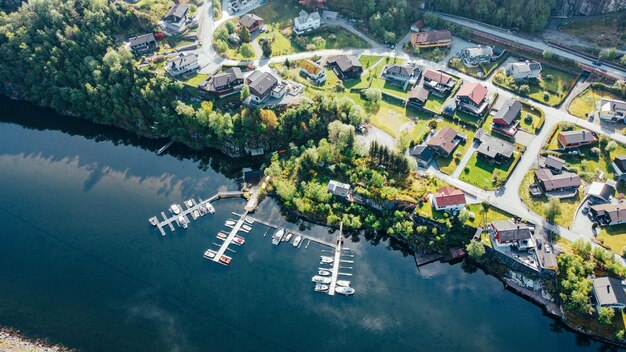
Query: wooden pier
{"type": "Point", "coordinates": [336, 261]}
{"type": "Point", "coordinates": [307, 237]}
{"type": "Point", "coordinates": [228, 240]}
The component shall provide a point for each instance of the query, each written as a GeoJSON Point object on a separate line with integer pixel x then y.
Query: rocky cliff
{"type": "Point", "coordinates": [570, 8]}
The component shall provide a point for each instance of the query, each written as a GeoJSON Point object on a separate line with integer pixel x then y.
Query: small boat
{"type": "Point", "coordinates": [209, 254]}
{"type": "Point", "coordinates": [209, 207]}
{"type": "Point", "coordinates": [297, 240]}
{"type": "Point", "coordinates": [246, 227]}
{"type": "Point", "coordinates": [321, 288]}
{"type": "Point", "coordinates": [326, 260]}
{"type": "Point", "coordinates": [278, 236]}
{"type": "Point", "coordinates": [323, 272]}
{"type": "Point", "coordinates": [182, 222]}
{"type": "Point", "coordinates": [153, 220]}
{"type": "Point", "coordinates": [249, 220]}
{"type": "Point", "coordinates": [226, 260]}
{"type": "Point", "coordinates": [222, 235]}
{"type": "Point", "coordinates": [238, 240]}
{"type": "Point", "coordinates": [288, 237]}
{"type": "Point", "coordinates": [189, 203]}
{"type": "Point", "coordinates": [343, 283]}
{"type": "Point", "coordinates": [320, 279]}
{"type": "Point", "coordinates": [175, 208]}
{"type": "Point", "coordinates": [230, 223]}
{"type": "Point", "coordinates": [344, 290]}
{"type": "Point", "coordinates": [195, 214]}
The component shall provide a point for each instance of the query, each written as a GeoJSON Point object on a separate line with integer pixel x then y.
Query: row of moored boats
{"type": "Point", "coordinates": [236, 239]}
{"type": "Point", "coordinates": [282, 235]}
{"type": "Point", "coordinates": [323, 279]}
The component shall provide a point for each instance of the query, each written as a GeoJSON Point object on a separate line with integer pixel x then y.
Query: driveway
{"type": "Point", "coordinates": [465, 159]}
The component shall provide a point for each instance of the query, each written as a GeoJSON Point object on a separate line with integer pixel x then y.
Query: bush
{"type": "Point", "coordinates": [546, 96]}
{"type": "Point", "coordinates": [549, 77]}
{"type": "Point", "coordinates": [524, 89]}
{"type": "Point", "coordinates": [528, 118]}
{"type": "Point", "coordinates": [246, 50]}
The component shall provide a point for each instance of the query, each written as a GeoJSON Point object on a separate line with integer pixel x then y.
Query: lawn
{"type": "Point", "coordinates": [537, 119]}
{"type": "Point", "coordinates": [372, 79]}
{"type": "Point", "coordinates": [430, 54]}
{"type": "Point", "coordinates": [585, 102]}
{"type": "Point", "coordinates": [172, 42]}
{"type": "Point", "coordinates": [557, 88]}
{"type": "Point", "coordinates": [536, 204]}
{"type": "Point", "coordinates": [435, 103]}
{"type": "Point", "coordinates": [368, 60]}
{"type": "Point", "coordinates": [195, 79]}
{"type": "Point", "coordinates": [485, 217]}
{"type": "Point", "coordinates": [449, 164]}
{"type": "Point", "coordinates": [481, 172]}
{"type": "Point", "coordinates": [157, 8]}
{"type": "Point", "coordinates": [482, 71]}
{"type": "Point", "coordinates": [467, 118]}
{"type": "Point", "coordinates": [614, 238]}
{"type": "Point", "coordinates": [234, 51]}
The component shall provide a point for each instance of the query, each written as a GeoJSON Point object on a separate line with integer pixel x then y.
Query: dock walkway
{"type": "Point", "coordinates": [310, 238]}
{"type": "Point", "coordinates": [230, 237]}
{"type": "Point", "coordinates": [336, 262]}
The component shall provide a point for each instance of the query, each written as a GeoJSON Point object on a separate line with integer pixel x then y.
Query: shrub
{"type": "Point", "coordinates": [528, 118]}
{"type": "Point", "coordinates": [549, 77]}
{"type": "Point", "coordinates": [524, 89]}
{"type": "Point", "coordinates": [546, 96]}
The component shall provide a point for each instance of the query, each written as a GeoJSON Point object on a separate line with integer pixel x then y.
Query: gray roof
{"type": "Point", "coordinates": [182, 60]}
{"type": "Point", "coordinates": [609, 291]}
{"type": "Point", "coordinates": [508, 111]}
{"type": "Point", "coordinates": [142, 39]}
{"type": "Point", "coordinates": [338, 188]}
{"type": "Point", "coordinates": [552, 162]}
{"type": "Point", "coordinates": [402, 70]}
{"type": "Point", "coordinates": [261, 85]}
{"type": "Point", "coordinates": [491, 147]}
{"type": "Point", "coordinates": [511, 231]}
{"type": "Point", "coordinates": [344, 62]}
{"type": "Point", "coordinates": [419, 93]}
{"type": "Point", "coordinates": [620, 162]}
{"type": "Point", "coordinates": [178, 10]}
{"type": "Point", "coordinates": [422, 152]}
{"type": "Point", "coordinates": [553, 182]}
{"type": "Point", "coordinates": [615, 212]}
{"type": "Point", "coordinates": [479, 51]}
{"type": "Point", "coordinates": [225, 78]}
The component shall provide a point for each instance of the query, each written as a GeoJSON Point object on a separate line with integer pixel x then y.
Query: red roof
{"type": "Point", "coordinates": [419, 24]}
{"type": "Point", "coordinates": [449, 195]}
{"type": "Point", "coordinates": [475, 91]}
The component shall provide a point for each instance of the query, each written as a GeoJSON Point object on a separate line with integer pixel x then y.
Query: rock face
{"type": "Point", "coordinates": [568, 8]}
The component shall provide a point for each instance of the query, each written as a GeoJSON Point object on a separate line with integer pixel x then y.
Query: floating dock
{"type": "Point", "coordinates": [227, 242]}
{"type": "Point", "coordinates": [202, 206]}
{"type": "Point", "coordinates": [296, 233]}
{"type": "Point", "coordinates": [336, 261]}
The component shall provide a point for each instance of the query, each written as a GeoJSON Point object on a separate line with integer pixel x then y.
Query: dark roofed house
{"type": "Point", "coordinates": [438, 82]}
{"type": "Point", "coordinates": [177, 13]}
{"type": "Point", "coordinates": [448, 198]}
{"type": "Point", "coordinates": [494, 148]}
{"type": "Point", "coordinates": [418, 96]}
{"type": "Point", "coordinates": [619, 167]}
{"type": "Point", "coordinates": [602, 191]}
{"type": "Point", "coordinates": [505, 120]}
{"type": "Point", "coordinates": [562, 186]}
{"type": "Point", "coordinates": [554, 164]}
{"type": "Point", "coordinates": [224, 84]}
{"type": "Point", "coordinates": [609, 292]}
{"type": "Point", "coordinates": [512, 233]}
{"type": "Point", "coordinates": [472, 98]}
{"type": "Point", "coordinates": [609, 214]}
{"type": "Point", "coordinates": [417, 26]}
{"type": "Point", "coordinates": [431, 39]}
{"type": "Point", "coordinates": [576, 138]}
{"type": "Point", "coordinates": [403, 75]}
{"type": "Point", "coordinates": [262, 85]}
{"type": "Point", "coordinates": [251, 21]}
{"type": "Point", "coordinates": [182, 64]}
{"type": "Point", "coordinates": [423, 154]}
{"type": "Point", "coordinates": [143, 44]}
{"type": "Point", "coordinates": [445, 141]}
{"type": "Point", "coordinates": [345, 66]}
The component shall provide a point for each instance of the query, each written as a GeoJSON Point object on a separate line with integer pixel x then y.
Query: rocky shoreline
{"type": "Point", "coordinates": [12, 340]}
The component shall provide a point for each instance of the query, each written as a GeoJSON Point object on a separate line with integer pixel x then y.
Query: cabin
{"type": "Point", "coordinates": [143, 44]}
{"type": "Point", "coordinates": [512, 233]}
{"type": "Point", "coordinates": [314, 72]}
{"type": "Point", "coordinates": [345, 66]}
{"type": "Point", "coordinates": [619, 167]}
{"type": "Point", "coordinates": [601, 192]}
{"type": "Point", "coordinates": [402, 75]}
{"type": "Point", "coordinates": [223, 84]}
{"type": "Point", "coordinates": [562, 186]}
{"type": "Point", "coordinates": [475, 56]}
{"type": "Point", "coordinates": [608, 292]}
{"type": "Point", "coordinates": [552, 163]}
{"type": "Point", "coordinates": [439, 83]}
{"type": "Point", "coordinates": [505, 120]}
{"type": "Point", "coordinates": [339, 189]}
{"type": "Point", "coordinates": [306, 22]}
{"type": "Point", "coordinates": [492, 148]}
{"type": "Point", "coordinates": [523, 70]}
{"type": "Point", "coordinates": [612, 110]}
{"type": "Point", "coordinates": [264, 85]}
{"type": "Point", "coordinates": [182, 64]}
{"type": "Point", "coordinates": [448, 198]}
{"type": "Point", "coordinates": [576, 138]}
{"type": "Point", "coordinates": [251, 21]}
{"type": "Point", "coordinates": [431, 39]}
{"type": "Point", "coordinates": [329, 15]}
{"type": "Point", "coordinates": [445, 141]}
{"type": "Point", "coordinates": [418, 96]}
{"type": "Point", "coordinates": [472, 98]}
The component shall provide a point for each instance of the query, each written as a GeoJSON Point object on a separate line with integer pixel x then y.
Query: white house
{"type": "Point", "coordinates": [612, 110]}
{"type": "Point", "coordinates": [522, 70]}
{"type": "Point", "coordinates": [306, 22]}
{"type": "Point", "coordinates": [264, 85]}
{"type": "Point", "coordinates": [449, 199]}
{"type": "Point", "coordinates": [182, 64]}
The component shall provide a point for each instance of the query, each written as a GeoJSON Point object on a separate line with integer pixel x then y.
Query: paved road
{"type": "Point", "coordinates": [531, 42]}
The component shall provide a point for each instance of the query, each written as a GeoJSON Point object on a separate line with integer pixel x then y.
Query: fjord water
{"type": "Point", "coordinates": [80, 264]}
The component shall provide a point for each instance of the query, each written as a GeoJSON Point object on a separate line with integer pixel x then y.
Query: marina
{"type": "Point", "coordinates": [329, 280]}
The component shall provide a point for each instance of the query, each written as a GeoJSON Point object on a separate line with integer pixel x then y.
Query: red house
{"type": "Point", "coordinates": [251, 21]}
{"type": "Point", "coordinates": [448, 198]}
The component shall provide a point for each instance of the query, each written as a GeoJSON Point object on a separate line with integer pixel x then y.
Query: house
{"type": "Point", "coordinates": [523, 70]}
{"type": "Point", "coordinates": [445, 141]}
{"type": "Point", "coordinates": [251, 21]}
{"type": "Point", "coordinates": [329, 15]}
{"type": "Point", "coordinates": [177, 14]}
{"type": "Point", "coordinates": [612, 110]}
{"type": "Point", "coordinates": [438, 82]}
{"type": "Point", "coordinates": [576, 138]}
{"type": "Point", "coordinates": [345, 66]}
{"type": "Point", "coordinates": [601, 192]}
{"type": "Point", "coordinates": [143, 44]}
{"type": "Point", "coordinates": [224, 84]}
{"type": "Point", "coordinates": [182, 64]}
{"type": "Point", "coordinates": [306, 22]}
{"type": "Point", "coordinates": [417, 26]}
{"type": "Point", "coordinates": [472, 98]}
{"type": "Point", "coordinates": [448, 198]}
{"type": "Point", "coordinates": [339, 189]}
{"type": "Point", "coordinates": [608, 292]}
{"type": "Point", "coordinates": [239, 5]}
{"type": "Point", "coordinates": [431, 39]}
{"type": "Point", "coordinates": [423, 155]}
{"type": "Point", "coordinates": [477, 55]}
{"type": "Point", "coordinates": [505, 120]}
{"type": "Point", "coordinates": [512, 233]}
{"type": "Point", "coordinates": [552, 163]}
{"type": "Point", "coordinates": [619, 167]}
{"type": "Point", "coordinates": [264, 85]}
{"type": "Point", "coordinates": [313, 71]}
{"type": "Point", "coordinates": [493, 148]}
{"type": "Point", "coordinates": [564, 185]}
{"type": "Point", "coordinates": [402, 75]}
{"type": "Point", "coordinates": [418, 96]}
{"type": "Point", "coordinates": [609, 214]}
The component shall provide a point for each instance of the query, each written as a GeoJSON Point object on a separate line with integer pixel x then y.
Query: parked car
{"type": "Point", "coordinates": [585, 209]}
{"type": "Point", "coordinates": [597, 63]}
{"type": "Point", "coordinates": [539, 243]}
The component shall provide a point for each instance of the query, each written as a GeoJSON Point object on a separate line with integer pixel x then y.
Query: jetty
{"type": "Point", "coordinates": [336, 261]}
{"type": "Point", "coordinates": [304, 237]}
{"type": "Point", "coordinates": [163, 148]}
{"type": "Point", "coordinates": [228, 241]}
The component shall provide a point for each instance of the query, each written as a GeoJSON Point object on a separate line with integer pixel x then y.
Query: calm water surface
{"type": "Point", "coordinates": [80, 264]}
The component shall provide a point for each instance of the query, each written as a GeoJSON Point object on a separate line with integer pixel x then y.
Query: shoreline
{"type": "Point", "coordinates": [13, 340]}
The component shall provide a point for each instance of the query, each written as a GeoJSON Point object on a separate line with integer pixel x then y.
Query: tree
{"type": "Point", "coordinates": [475, 249]}
{"type": "Point", "coordinates": [524, 89]}
{"type": "Point", "coordinates": [552, 209]}
{"type": "Point", "coordinates": [220, 46]}
{"type": "Point", "coordinates": [605, 315]}
{"type": "Point", "coordinates": [547, 54]}
{"type": "Point", "coordinates": [622, 61]}
{"type": "Point", "coordinates": [373, 95]}
{"type": "Point", "coordinates": [244, 34]}
{"type": "Point", "coordinates": [245, 92]}
{"type": "Point", "coordinates": [266, 47]}
{"type": "Point", "coordinates": [246, 50]}
{"type": "Point", "coordinates": [269, 118]}
{"type": "Point", "coordinates": [230, 27]}
{"type": "Point", "coordinates": [610, 147]}
{"type": "Point", "coordinates": [608, 54]}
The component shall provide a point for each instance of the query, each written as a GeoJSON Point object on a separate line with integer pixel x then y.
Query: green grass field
{"type": "Point", "coordinates": [480, 171]}
{"type": "Point", "coordinates": [557, 87]}
{"type": "Point", "coordinates": [585, 102]}
{"type": "Point", "coordinates": [481, 71]}
{"type": "Point", "coordinates": [614, 238]}
{"type": "Point", "coordinates": [368, 60]}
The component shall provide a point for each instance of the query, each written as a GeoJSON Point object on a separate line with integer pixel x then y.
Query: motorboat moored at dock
{"type": "Point", "coordinates": [182, 222]}
{"type": "Point", "coordinates": [230, 223]}
{"type": "Point", "coordinates": [209, 254]}
{"type": "Point", "coordinates": [249, 220]}
{"type": "Point", "coordinates": [320, 279]}
{"type": "Point", "coordinates": [323, 272]}
{"type": "Point", "coordinates": [321, 288]}
{"type": "Point", "coordinates": [175, 208]}
{"type": "Point", "coordinates": [153, 220]}
{"type": "Point", "coordinates": [326, 260]}
{"type": "Point", "coordinates": [343, 283]}
{"type": "Point", "coordinates": [246, 227]}
{"type": "Point", "coordinates": [189, 203]}
{"type": "Point", "coordinates": [278, 236]}
{"type": "Point", "coordinates": [288, 237]}
{"type": "Point", "coordinates": [344, 290]}
{"type": "Point", "coordinates": [297, 240]}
